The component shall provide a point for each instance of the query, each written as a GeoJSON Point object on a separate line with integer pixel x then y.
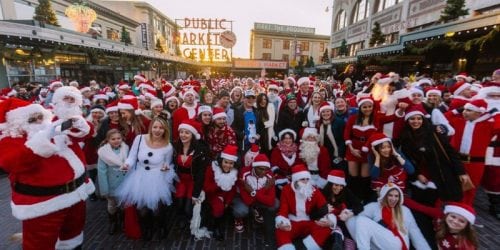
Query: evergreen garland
{"type": "Point", "coordinates": [45, 14]}
{"type": "Point", "coordinates": [453, 10]}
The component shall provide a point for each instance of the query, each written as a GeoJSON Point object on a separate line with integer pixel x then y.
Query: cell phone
{"type": "Point", "coordinates": [66, 125]}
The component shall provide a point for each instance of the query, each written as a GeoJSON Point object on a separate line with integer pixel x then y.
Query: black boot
{"type": "Point", "coordinates": [146, 223]}
{"type": "Point", "coordinates": [219, 228]}
{"type": "Point", "coordinates": [494, 205]}
{"type": "Point", "coordinates": [365, 189]}
{"type": "Point", "coordinates": [113, 223]}
{"type": "Point", "coordinates": [353, 184]}
{"type": "Point", "coordinates": [163, 221]}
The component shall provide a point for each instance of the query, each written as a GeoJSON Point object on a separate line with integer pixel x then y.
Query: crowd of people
{"type": "Point", "coordinates": [341, 163]}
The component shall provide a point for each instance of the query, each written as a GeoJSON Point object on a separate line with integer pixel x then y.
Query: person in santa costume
{"type": "Point", "coordinates": [304, 93]}
{"type": "Point", "coordinates": [188, 110]}
{"type": "Point", "coordinates": [219, 133]}
{"type": "Point", "coordinates": [220, 188]}
{"type": "Point", "coordinates": [47, 172]}
{"type": "Point", "coordinates": [283, 157]}
{"type": "Point", "coordinates": [257, 192]}
{"type": "Point", "coordinates": [303, 213]}
{"type": "Point", "coordinates": [386, 224]}
{"type": "Point", "coordinates": [461, 94]}
{"type": "Point", "coordinates": [491, 94]}
{"type": "Point", "coordinates": [315, 157]}
{"type": "Point", "coordinates": [474, 131]}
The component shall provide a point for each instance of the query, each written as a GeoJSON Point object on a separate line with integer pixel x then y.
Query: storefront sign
{"type": "Point", "coordinates": [283, 28]}
{"type": "Point", "coordinates": [400, 26]}
{"type": "Point", "coordinates": [259, 64]}
{"type": "Point", "coordinates": [206, 39]}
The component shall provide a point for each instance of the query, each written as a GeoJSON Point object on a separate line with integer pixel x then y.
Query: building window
{"type": "Point", "coordinates": [391, 38]}
{"type": "Point", "coordinates": [286, 44]}
{"type": "Point", "coordinates": [321, 47]}
{"type": "Point", "coordinates": [304, 46]}
{"type": "Point", "coordinates": [384, 4]}
{"type": "Point", "coordinates": [353, 48]}
{"type": "Point", "coordinates": [267, 43]}
{"type": "Point", "coordinates": [266, 56]}
{"type": "Point", "coordinates": [340, 21]}
{"type": "Point", "coordinates": [360, 11]}
{"type": "Point", "coordinates": [285, 57]}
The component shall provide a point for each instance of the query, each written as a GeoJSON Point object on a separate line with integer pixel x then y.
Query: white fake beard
{"type": "Point", "coordinates": [309, 151]}
{"type": "Point", "coordinates": [65, 111]}
{"type": "Point", "coordinates": [272, 97]}
{"type": "Point", "coordinates": [31, 129]}
{"type": "Point", "coordinates": [305, 190]}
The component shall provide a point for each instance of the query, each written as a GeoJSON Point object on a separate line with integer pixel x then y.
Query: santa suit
{"type": "Point", "coordinates": [320, 168]}
{"type": "Point", "coordinates": [281, 166]}
{"type": "Point", "coordinates": [295, 210]}
{"type": "Point", "coordinates": [182, 113]}
{"type": "Point", "coordinates": [471, 140]}
{"type": "Point", "coordinates": [49, 188]}
{"type": "Point", "coordinates": [492, 161]}
{"type": "Point", "coordinates": [458, 102]}
{"type": "Point", "coordinates": [219, 188]}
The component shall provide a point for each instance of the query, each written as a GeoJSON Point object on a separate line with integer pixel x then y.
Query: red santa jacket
{"type": "Point", "coordinates": [471, 138]}
{"type": "Point", "coordinates": [37, 162]}
{"type": "Point", "coordinates": [281, 165]}
{"type": "Point", "coordinates": [212, 188]}
{"type": "Point", "coordinates": [263, 195]}
{"type": "Point", "coordinates": [292, 209]}
{"type": "Point", "coordinates": [458, 102]}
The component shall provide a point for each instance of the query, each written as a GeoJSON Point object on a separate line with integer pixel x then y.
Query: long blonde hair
{"type": "Point", "coordinates": [397, 211]}
{"type": "Point", "coordinates": [164, 124]}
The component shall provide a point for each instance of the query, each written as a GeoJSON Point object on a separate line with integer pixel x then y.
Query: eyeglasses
{"type": "Point", "coordinates": [34, 119]}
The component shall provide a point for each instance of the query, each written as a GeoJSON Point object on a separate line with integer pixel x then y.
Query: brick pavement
{"type": "Point", "coordinates": [96, 236]}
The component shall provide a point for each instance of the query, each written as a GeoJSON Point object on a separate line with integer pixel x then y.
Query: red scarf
{"type": "Point", "coordinates": [389, 223]}
{"type": "Point", "coordinates": [288, 151]}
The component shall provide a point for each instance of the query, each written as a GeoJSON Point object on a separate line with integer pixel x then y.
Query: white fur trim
{"type": "Point", "coordinates": [309, 131]}
{"type": "Point", "coordinates": [347, 142]}
{"type": "Point", "coordinates": [25, 212]}
{"type": "Point", "coordinates": [461, 211]}
{"type": "Point", "coordinates": [491, 159]}
{"type": "Point", "coordinates": [310, 243]}
{"type": "Point", "coordinates": [41, 145]}
{"type": "Point", "coordinates": [284, 131]}
{"type": "Point", "coordinates": [364, 128]}
{"type": "Point", "coordinates": [461, 88]}
{"type": "Point", "coordinates": [379, 141]}
{"type": "Point", "coordinates": [204, 108]}
{"type": "Point", "coordinates": [139, 78]}
{"type": "Point", "coordinates": [336, 180]}
{"type": "Point", "coordinates": [156, 102]}
{"type": "Point", "coordinates": [433, 91]}
{"type": "Point", "coordinates": [470, 106]}
{"type": "Point", "coordinates": [412, 113]}
{"type": "Point", "coordinates": [300, 175]}
{"type": "Point", "coordinates": [122, 105]}
{"type": "Point", "coordinates": [281, 219]}
{"type": "Point", "coordinates": [229, 157]}
{"type": "Point", "coordinates": [261, 164]}
{"type": "Point", "coordinates": [190, 129]}
{"type": "Point", "coordinates": [173, 98]}
{"type": "Point", "coordinates": [326, 107]}
{"type": "Point", "coordinates": [288, 246]}
{"type": "Point", "coordinates": [67, 91]}
{"type": "Point", "coordinates": [70, 243]}
{"type": "Point", "coordinates": [219, 115]}
{"type": "Point", "coordinates": [84, 89]}
{"type": "Point", "coordinates": [112, 109]}
{"type": "Point", "coordinates": [360, 102]}
{"type": "Point", "coordinates": [223, 180]}
{"type": "Point", "coordinates": [303, 80]}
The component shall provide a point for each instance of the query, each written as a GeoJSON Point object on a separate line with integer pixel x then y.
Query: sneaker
{"type": "Point", "coordinates": [238, 226]}
{"type": "Point", "coordinates": [257, 216]}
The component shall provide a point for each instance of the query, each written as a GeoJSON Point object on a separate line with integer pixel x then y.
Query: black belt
{"type": "Point", "coordinates": [361, 139]}
{"type": "Point", "coordinates": [314, 172]}
{"type": "Point", "coordinates": [468, 158]}
{"type": "Point", "coordinates": [49, 191]}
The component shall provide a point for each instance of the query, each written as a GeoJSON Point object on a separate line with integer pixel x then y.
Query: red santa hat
{"type": "Point", "coordinates": [151, 93]}
{"type": "Point", "coordinates": [63, 91]}
{"type": "Point", "coordinates": [432, 90]}
{"type": "Point", "coordinates": [461, 209]}
{"type": "Point", "coordinates": [403, 95]}
{"type": "Point", "coordinates": [261, 160]}
{"type": "Point", "coordinates": [309, 131]}
{"type": "Point", "coordinates": [189, 90]}
{"type": "Point", "coordinates": [236, 88]}
{"type": "Point", "coordinates": [337, 176]}
{"type": "Point", "coordinates": [363, 100]}
{"type": "Point", "coordinates": [384, 79]}
{"type": "Point", "coordinates": [146, 85]}
{"type": "Point", "coordinates": [129, 103]}
{"type": "Point", "coordinates": [273, 86]}
{"type": "Point", "coordinates": [173, 98]}
{"type": "Point", "coordinates": [168, 89]}
{"type": "Point", "coordinates": [218, 113]}
{"type": "Point", "coordinates": [303, 80]}
{"type": "Point", "coordinates": [230, 152]}
{"type": "Point", "coordinates": [424, 81]}
{"type": "Point", "coordinates": [488, 89]}
{"type": "Point", "coordinates": [374, 140]}
{"type": "Point", "coordinates": [204, 108]}
{"type": "Point", "coordinates": [458, 87]}
{"type": "Point", "coordinates": [292, 79]}
{"type": "Point", "coordinates": [478, 105]}
{"type": "Point", "coordinates": [156, 102]}
{"type": "Point", "coordinates": [15, 113]}
{"type": "Point", "coordinates": [8, 92]}
{"type": "Point", "coordinates": [112, 107]}
{"type": "Point", "coordinates": [192, 126]}
{"type": "Point", "coordinates": [325, 106]}
{"type": "Point", "coordinates": [388, 187]}
{"type": "Point", "coordinates": [415, 90]}
{"type": "Point", "coordinates": [300, 171]}
{"type": "Point", "coordinates": [463, 76]}
{"type": "Point", "coordinates": [100, 96]}
{"type": "Point", "coordinates": [55, 83]}
{"type": "Point", "coordinates": [140, 77]}
{"type": "Point", "coordinates": [287, 131]}
{"type": "Point", "coordinates": [123, 85]}
{"type": "Point", "coordinates": [416, 110]}
{"type": "Point", "coordinates": [84, 89]}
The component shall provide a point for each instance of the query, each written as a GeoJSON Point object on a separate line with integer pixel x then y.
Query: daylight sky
{"type": "Point", "coordinates": [305, 13]}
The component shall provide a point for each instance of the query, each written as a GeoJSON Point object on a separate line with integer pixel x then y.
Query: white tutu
{"type": "Point", "coordinates": [146, 188]}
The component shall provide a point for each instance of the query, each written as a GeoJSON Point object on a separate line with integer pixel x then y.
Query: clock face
{"type": "Point", "coordinates": [227, 39]}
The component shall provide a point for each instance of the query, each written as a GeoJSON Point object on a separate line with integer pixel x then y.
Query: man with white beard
{"type": "Point", "coordinates": [491, 94]}
{"type": "Point", "coordinates": [303, 213]}
{"type": "Point", "coordinates": [315, 157]}
{"type": "Point", "coordinates": [274, 98]}
{"type": "Point", "coordinates": [49, 185]}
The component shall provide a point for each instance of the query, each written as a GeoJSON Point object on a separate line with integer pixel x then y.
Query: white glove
{"type": "Point", "coordinates": [81, 124]}
{"type": "Point", "coordinates": [305, 124]}
{"type": "Point", "coordinates": [41, 145]}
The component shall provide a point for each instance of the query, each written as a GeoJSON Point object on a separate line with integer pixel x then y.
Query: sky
{"type": "Point", "coordinates": [244, 14]}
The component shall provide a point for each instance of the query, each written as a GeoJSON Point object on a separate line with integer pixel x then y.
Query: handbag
{"type": "Point", "coordinates": [466, 186]}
